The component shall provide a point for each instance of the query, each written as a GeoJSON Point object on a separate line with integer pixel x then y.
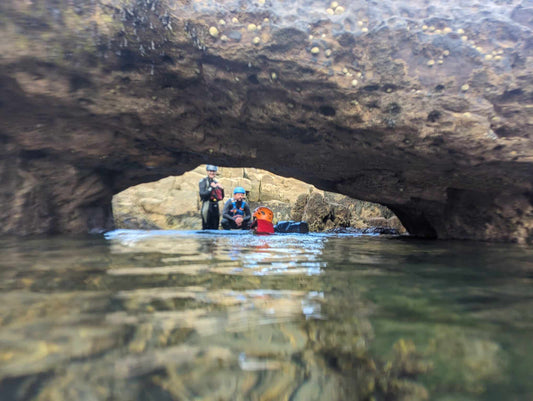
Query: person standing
{"type": "Point", "coordinates": [211, 192]}
{"type": "Point", "coordinates": [236, 214]}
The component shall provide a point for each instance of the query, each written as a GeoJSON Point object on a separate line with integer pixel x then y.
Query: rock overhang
{"type": "Point", "coordinates": [426, 109]}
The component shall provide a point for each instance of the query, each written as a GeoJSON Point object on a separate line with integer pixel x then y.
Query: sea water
{"type": "Point", "coordinates": [192, 315]}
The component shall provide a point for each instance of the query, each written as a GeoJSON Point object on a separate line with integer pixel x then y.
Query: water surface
{"type": "Point", "coordinates": [170, 315]}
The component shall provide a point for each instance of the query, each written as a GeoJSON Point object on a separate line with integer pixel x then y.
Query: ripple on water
{"type": "Point", "coordinates": [220, 252]}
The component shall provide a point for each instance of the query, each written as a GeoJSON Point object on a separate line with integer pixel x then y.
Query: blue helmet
{"type": "Point", "coordinates": [210, 167]}
{"type": "Point", "coordinates": [239, 190]}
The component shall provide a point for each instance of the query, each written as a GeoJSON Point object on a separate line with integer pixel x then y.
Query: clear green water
{"type": "Point", "coordinates": [139, 315]}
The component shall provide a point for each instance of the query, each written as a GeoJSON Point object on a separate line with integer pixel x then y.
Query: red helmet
{"type": "Point", "coordinates": [263, 213]}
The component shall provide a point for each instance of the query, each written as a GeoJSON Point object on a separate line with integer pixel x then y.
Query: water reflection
{"type": "Point", "coordinates": [230, 253]}
{"type": "Point", "coordinates": [232, 316]}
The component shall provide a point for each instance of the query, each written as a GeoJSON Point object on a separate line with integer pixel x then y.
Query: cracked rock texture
{"type": "Point", "coordinates": [424, 107]}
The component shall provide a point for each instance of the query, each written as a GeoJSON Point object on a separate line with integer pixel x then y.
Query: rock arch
{"type": "Point", "coordinates": [427, 111]}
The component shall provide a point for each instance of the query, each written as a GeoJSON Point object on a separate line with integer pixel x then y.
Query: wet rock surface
{"type": "Point", "coordinates": [424, 108]}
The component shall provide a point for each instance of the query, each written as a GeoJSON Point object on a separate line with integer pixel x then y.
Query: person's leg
{"type": "Point", "coordinates": [205, 215]}
{"type": "Point", "coordinates": [225, 224]}
{"type": "Point", "coordinates": [214, 216]}
{"type": "Point", "coordinates": [228, 224]}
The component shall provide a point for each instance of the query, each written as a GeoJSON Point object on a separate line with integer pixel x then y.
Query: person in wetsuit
{"type": "Point", "coordinates": [211, 192]}
{"type": "Point", "coordinates": [262, 221]}
{"type": "Point", "coordinates": [236, 214]}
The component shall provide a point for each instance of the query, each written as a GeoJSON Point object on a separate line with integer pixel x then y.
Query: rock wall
{"type": "Point", "coordinates": [173, 202]}
{"type": "Point", "coordinates": [425, 107]}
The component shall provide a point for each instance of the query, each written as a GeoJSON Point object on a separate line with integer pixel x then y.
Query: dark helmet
{"type": "Point", "coordinates": [239, 190]}
{"type": "Point", "coordinates": [210, 167]}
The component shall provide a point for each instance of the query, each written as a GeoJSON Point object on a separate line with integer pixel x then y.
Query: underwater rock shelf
{"type": "Point", "coordinates": [426, 109]}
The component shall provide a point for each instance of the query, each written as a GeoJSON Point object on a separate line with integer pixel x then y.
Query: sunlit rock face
{"type": "Point", "coordinates": [424, 107]}
{"type": "Point", "coordinates": [173, 203]}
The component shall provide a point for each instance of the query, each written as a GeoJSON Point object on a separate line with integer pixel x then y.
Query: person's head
{"type": "Point", "coordinates": [239, 193]}
{"type": "Point", "coordinates": [211, 170]}
{"type": "Point", "coordinates": [263, 213]}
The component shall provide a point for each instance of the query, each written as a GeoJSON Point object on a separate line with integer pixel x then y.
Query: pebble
{"type": "Point", "coordinates": [213, 31]}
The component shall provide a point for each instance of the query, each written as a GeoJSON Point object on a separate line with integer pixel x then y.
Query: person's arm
{"type": "Point", "coordinates": [226, 212]}
{"type": "Point", "coordinates": [247, 214]}
{"type": "Point", "coordinates": [205, 190]}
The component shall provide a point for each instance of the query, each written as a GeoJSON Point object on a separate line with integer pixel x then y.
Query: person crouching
{"type": "Point", "coordinates": [262, 221]}
{"type": "Point", "coordinates": [236, 214]}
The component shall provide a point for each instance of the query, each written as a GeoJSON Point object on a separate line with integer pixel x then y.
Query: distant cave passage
{"type": "Point", "coordinates": [173, 203]}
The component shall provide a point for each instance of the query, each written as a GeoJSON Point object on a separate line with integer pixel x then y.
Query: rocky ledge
{"type": "Point", "coordinates": [426, 108]}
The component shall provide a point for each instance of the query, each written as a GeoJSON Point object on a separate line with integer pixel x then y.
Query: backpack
{"type": "Point", "coordinates": [216, 195]}
{"type": "Point", "coordinates": [300, 227]}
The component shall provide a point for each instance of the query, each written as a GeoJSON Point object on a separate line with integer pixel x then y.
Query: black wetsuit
{"type": "Point", "coordinates": [233, 208]}
{"type": "Point", "coordinates": [209, 211]}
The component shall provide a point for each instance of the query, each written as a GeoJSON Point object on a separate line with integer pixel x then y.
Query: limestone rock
{"type": "Point", "coordinates": [173, 202]}
{"type": "Point", "coordinates": [317, 212]}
